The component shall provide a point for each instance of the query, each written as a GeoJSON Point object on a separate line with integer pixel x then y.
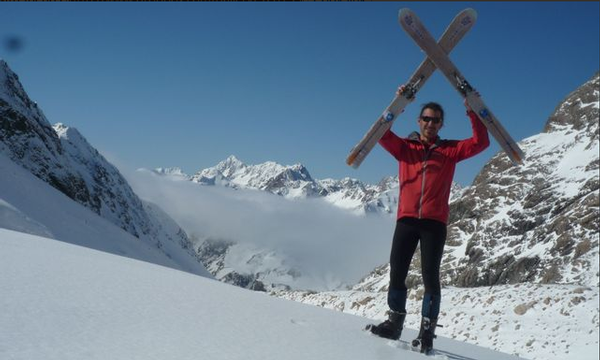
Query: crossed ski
{"type": "Point", "coordinates": [457, 29]}
{"type": "Point", "coordinates": [417, 31]}
{"type": "Point", "coordinates": [436, 58]}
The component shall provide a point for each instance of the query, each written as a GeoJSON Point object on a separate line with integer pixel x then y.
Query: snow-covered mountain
{"type": "Point", "coordinates": [30, 205]}
{"type": "Point", "coordinates": [523, 245]}
{"type": "Point", "coordinates": [247, 266]}
{"type": "Point", "coordinates": [61, 157]}
{"type": "Point", "coordinates": [295, 182]}
{"type": "Point", "coordinates": [537, 222]}
{"type": "Point", "coordinates": [289, 181]}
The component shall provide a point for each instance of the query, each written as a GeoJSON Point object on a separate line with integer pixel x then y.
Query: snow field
{"type": "Point", "coordinates": [518, 319]}
{"type": "Point", "coordinates": [62, 301]}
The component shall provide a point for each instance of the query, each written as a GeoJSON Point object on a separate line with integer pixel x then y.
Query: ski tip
{"type": "Point", "coordinates": [470, 12]}
{"type": "Point", "coordinates": [404, 12]}
{"type": "Point", "coordinates": [515, 155]}
{"type": "Point", "coordinates": [351, 160]}
{"type": "Point", "coordinates": [517, 158]}
{"type": "Point", "coordinates": [405, 17]}
{"type": "Point", "coordinates": [355, 158]}
{"type": "Point", "coordinates": [355, 165]}
{"type": "Point", "coordinates": [351, 157]}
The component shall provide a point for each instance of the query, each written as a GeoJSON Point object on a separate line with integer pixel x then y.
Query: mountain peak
{"type": "Point", "coordinates": [579, 109]}
{"type": "Point", "coordinates": [5, 69]}
{"type": "Point", "coordinates": [230, 166]}
{"type": "Point", "coordinates": [232, 159]}
{"type": "Point", "coordinates": [67, 132]}
{"type": "Point", "coordinates": [13, 95]}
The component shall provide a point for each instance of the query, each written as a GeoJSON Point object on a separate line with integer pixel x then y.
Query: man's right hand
{"type": "Point", "coordinates": [400, 90]}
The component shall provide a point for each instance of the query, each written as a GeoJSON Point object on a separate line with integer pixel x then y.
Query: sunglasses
{"type": "Point", "coordinates": [436, 120]}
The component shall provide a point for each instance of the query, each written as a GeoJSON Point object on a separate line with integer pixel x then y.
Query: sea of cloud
{"type": "Point", "coordinates": [313, 235]}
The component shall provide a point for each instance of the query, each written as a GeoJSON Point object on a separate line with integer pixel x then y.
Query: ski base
{"type": "Point", "coordinates": [417, 31]}
{"type": "Point", "coordinates": [457, 29]}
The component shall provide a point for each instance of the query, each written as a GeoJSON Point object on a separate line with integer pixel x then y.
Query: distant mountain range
{"type": "Point", "coordinates": [295, 182]}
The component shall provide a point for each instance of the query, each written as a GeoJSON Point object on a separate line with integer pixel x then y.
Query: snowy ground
{"type": "Point", "coordinates": [63, 301]}
{"type": "Point", "coordinates": [518, 319]}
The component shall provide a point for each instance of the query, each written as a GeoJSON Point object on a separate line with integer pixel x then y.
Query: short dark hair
{"type": "Point", "coordinates": [433, 106]}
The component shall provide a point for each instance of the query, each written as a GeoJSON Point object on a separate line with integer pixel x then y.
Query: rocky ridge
{"type": "Point", "coordinates": [60, 156]}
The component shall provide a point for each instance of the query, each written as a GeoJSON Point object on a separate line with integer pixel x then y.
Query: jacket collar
{"type": "Point", "coordinates": [415, 136]}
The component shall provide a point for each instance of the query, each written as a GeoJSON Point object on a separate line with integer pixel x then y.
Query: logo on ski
{"type": "Point", "coordinates": [388, 116]}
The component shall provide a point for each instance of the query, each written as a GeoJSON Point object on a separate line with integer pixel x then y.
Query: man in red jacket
{"type": "Point", "coordinates": [426, 168]}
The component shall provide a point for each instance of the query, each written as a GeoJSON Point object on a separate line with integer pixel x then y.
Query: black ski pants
{"type": "Point", "coordinates": [432, 236]}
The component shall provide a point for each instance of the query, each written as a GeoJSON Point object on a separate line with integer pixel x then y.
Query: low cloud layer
{"type": "Point", "coordinates": [313, 235]}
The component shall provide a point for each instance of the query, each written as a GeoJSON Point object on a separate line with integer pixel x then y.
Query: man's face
{"type": "Point", "coordinates": [430, 129]}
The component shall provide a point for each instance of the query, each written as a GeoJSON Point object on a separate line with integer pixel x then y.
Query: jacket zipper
{"type": "Point", "coordinates": [425, 158]}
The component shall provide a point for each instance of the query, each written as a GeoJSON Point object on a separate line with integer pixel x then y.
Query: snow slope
{"type": "Point", "coordinates": [30, 205]}
{"type": "Point", "coordinates": [62, 301]}
{"type": "Point", "coordinates": [62, 158]}
{"type": "Point", "coordinates": [544, 322]}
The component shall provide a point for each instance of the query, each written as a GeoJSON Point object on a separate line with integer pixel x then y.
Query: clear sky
{"type": "Point", "coordinates": [188, 84]}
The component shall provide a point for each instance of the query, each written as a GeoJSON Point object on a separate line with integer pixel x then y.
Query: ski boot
{"type": "Point", "coordinates": [390, 328]}
{"type": "Point", "coordinates": [426, 335]}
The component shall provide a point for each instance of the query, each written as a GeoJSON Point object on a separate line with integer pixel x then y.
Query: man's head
{"type": "Point", "coordinates": [431, 120]}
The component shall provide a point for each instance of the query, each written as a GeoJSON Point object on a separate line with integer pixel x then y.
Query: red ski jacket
{"type": "Point", "coordinates": [426, 173]}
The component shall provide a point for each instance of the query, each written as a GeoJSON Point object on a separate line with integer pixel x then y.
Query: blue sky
{"type": "Point", "coordinates": [188, 84]}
